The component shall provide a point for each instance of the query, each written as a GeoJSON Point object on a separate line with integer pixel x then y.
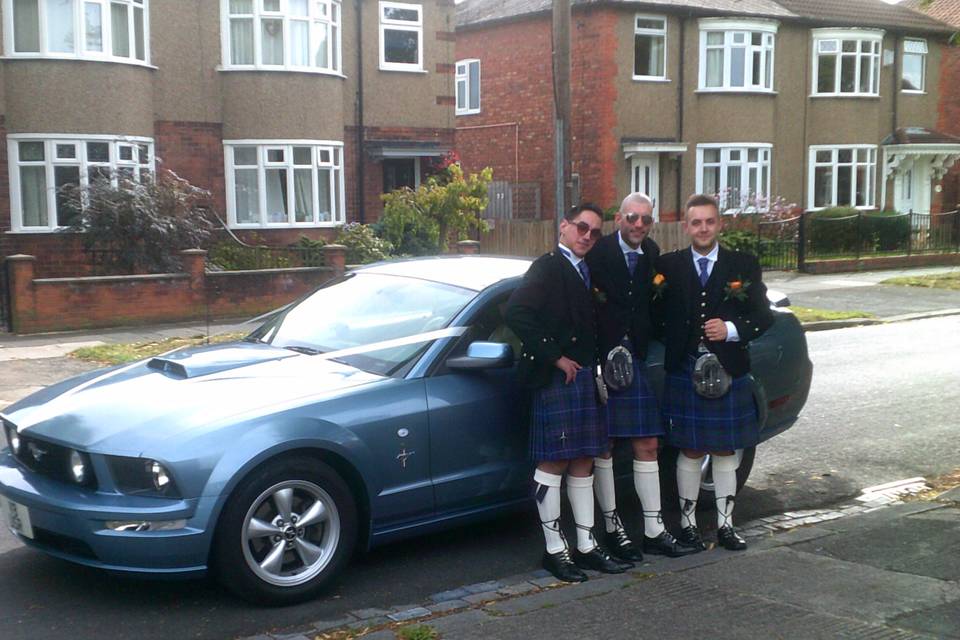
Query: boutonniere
{"type": "Point", "coordinates": [736, 290]}
{"type": "Point", "coordinates": [659, 284]}
{"type": "Point", "coordinates": [599, 296]}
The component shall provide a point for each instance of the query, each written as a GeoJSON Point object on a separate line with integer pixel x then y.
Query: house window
{"type": "Point", "coordinates": [401, 173]}
{"type": "Point", "coordinates": [842, 176]}
{"type": "Point", "coordinates": [468, 87]}
{"type": "Point", "coordinates": [738, 175]}
{"type": "Point", "coordinates": [297, 35]}
{"type": "Point", "coordinates": [401, 36]}
{"type": "Point", "coordinates": [109, 30]}
{"type": "Point", "coordinates": [846, 63]}
{"type": "Point", "coordinates": [283, 184]}
{"type": "Point", "coordinates": [736, 55]}
{"type": "Point", "coordinates": [649, 47]}
{"type": "Point", "coordinates": [914, 66]}
{"type": "Point", "coordinates": [42, 165]}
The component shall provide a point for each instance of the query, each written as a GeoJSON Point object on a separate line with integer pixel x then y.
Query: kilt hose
{"type": "Point", "coordinates": [709, 424]}
{"type": "Point", "coordinates": [634, 412]}
{"type": "Point", "coordinates": [566, 421]}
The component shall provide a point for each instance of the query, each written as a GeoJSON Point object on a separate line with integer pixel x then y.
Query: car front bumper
{"type": "Point", "coordinates": [70, 523]}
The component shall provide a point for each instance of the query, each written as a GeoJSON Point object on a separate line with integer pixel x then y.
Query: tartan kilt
{"type": "Point", "coordinates": [709, 424]}
{"type": "Point", "coordinates": [634, 412]}
{"type": "Point", "coordinates": [566, 421]}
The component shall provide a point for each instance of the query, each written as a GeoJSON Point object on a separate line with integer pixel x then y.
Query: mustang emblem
{"type": "Point", "coordinates": [37, 452]}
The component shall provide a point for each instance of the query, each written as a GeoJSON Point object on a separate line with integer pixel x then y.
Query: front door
{"type": "Point", "coordinates": [645, 178]}
{"type": "Point", "coordinates": [912, 188]}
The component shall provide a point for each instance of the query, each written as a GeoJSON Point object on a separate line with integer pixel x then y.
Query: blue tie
{"type": "Point", "coordinates": [632, 259]}
{"type": "Point", "coordinates": [703, 271]}
{"type": "Point", "coordinates": [584, 272]}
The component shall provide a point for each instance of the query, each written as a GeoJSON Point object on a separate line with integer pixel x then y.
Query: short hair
{"type": "Point", "coordinates": [580, 208]}
{"type": "Point", "coordinates": [700, 200]}
{"type": "Point", "coordinates": [636, 197]}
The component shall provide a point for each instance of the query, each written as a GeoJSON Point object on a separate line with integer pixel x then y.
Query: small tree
{"type": "Point", "coordinates": [141, 227]}
{"type": "Point", "coordinates": [445, 207]}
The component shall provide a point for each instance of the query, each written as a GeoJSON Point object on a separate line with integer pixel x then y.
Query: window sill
{"type": "Point", "coordinates": [651, 79]}
{"type": "Point", "coordinates": [319, 72]}
{"type": "Point", "coordinates": [285, 225]}
{"type": "Point", "coordinates": [39, 231]}
{"type": "Point", "coordinates": [834, 206]}
{"type": "Point", "coordinates": [859, 96]}
{"type": "Point", "coordinates": [400, 70]}
{"type": "Point", "coordinates": [467, 113]}
{"type": "Point", "coordinates": [750, 92]}
{"type": "Point", "coordinates": [66, 58]}
{"type": "Point", "coordinates": [913, 93]}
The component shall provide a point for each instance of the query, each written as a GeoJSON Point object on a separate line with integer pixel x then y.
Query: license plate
{"type": "Point", "coordinates": [17, 517]}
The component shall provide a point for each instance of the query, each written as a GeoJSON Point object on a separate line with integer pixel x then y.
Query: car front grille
{"type": "Point", "coordinates": [63, 544]}
{"type": "Point", "coordinates": [52, 460]}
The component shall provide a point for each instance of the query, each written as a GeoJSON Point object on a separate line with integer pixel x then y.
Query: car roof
{"type": "Point", "coordinates": [468, 272]}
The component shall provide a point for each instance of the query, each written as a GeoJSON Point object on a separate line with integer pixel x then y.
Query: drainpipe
{"type": "Point", "coordinates": [361, 150]}
{"type": "Point", "coordinates": [681, 60]}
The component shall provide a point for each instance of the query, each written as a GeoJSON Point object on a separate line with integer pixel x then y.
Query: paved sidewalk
{"type": "Point", "coordinates": [883, 572]}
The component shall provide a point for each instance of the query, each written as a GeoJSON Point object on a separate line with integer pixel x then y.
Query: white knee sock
{"type": "Point", "coordinates": [646, 480]}
{"type": "Point", "coordinates": [548, 504]}
{"type": "Point", "coordinates": [605, 489]}
{"type": "Point", "coordinates": [688, 488]}
{"type": "Point", "coordinates": [725, 487]}
{"type": "Point", "coordinates": [580, 492]}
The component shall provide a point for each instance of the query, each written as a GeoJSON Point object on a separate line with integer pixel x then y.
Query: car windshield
{"type": "Point", "coordinates": [363, 310]}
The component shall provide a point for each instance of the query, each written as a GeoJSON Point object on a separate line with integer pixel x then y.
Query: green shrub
{"type": "Point", "coordinates": [739, 240]}
{"type": "Point", "coordinates": [887, 230]}
{"type": "Point", "coordinates": [362, 244]}
{"type": "Point", "coordinates": [409, 230]}
{"type": "Point", "coordinates": [833, 231]}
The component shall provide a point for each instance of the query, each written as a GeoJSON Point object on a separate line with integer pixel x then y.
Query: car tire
{"type": "Point", "coordinates": [706, 501]}
{"type": "Point", "coordinates": [263, 551]}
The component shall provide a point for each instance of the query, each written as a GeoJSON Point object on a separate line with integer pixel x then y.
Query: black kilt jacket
{"type": "Point", "coordinates": [623, 302]}
{"type": "Point", "coordinates": [684, 306]}
{"type": "Point", "coordinates": [553, 314]}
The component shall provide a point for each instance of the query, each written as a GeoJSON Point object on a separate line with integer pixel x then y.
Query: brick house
{"type": "Point", "coordinates": [949, 122]}
{"type": "Point", "coordinates": [297, 114]}
{"type": "Point", "coordinates": [821, 103]}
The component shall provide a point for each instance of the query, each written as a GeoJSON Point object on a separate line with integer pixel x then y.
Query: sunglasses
{"type": "Point", "coordinates": [632, 218]}
{"type": "Point", "coordinates": [583, 228]}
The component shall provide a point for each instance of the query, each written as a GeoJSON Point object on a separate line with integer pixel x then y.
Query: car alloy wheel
{"type": "Point", "coordinates": [290, 533]}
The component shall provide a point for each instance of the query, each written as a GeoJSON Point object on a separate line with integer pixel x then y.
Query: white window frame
{"type": "Point", "coordinates": [919, 43]}
{"type": "Point", "coordinates": [325, 13]}
{"type": "Point", "coordinates": [759, 190]}
{"type": "Point", "coordinates": [462, 84]}
{"type": "Point", "coordinates": [334, 149]}
{"type": "Point", "coordinates": [387, 24]}
{"type": "Point", "coordinates": [646, 31]}
{"type": "Point", "coordinates": [834, 38]}
{"type": "Point", "coordinates": [51, 161]}
{"type": "Point", "coordinates": [731, 30]}
{"type": "Point", "coordinates": [80, 49]}
{"type": "Point", "coordinates": [835, 164]}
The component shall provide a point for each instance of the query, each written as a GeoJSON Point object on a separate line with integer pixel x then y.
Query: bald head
{"type": "Point", "coordinates": [635, 218]}
{"type": "Point", "coordinates": [636, 199]}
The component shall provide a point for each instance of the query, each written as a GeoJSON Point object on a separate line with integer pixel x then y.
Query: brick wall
{"type": "Point", "coordinates": [949, 118]}
{"type": "Point", "coordinates": [516, 86]}
{"type": "Point", "coordinates": [889, 262]}
{"type": "Point", "coordinates": [194, 151]}
{"type": "Point", "coordinates": [58, 304]}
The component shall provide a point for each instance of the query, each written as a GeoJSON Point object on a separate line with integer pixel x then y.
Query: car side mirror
{"type": "Point", "coordinates": [483, 355]}
{"type": "Point", "coordinates": [777, 299]}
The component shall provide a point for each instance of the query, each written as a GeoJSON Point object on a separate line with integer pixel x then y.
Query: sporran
{"type": "Point", "coordinates": [710, 379]}
{"type": "Point", "coordinates": [618, 368]}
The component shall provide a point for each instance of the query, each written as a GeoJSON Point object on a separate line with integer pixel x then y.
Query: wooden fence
{"type": "Point", "coordinates": [534, 237]}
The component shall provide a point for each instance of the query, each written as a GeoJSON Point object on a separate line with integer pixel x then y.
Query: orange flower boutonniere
{"type": "Point", "coordinates": [736, 290]}
{"type": "Point", "coordinates": [659, 284]}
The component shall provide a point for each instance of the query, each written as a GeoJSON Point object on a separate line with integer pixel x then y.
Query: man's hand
{"type": "Point", "coordinates": [715, 330]}
{"type": "Point", "coordinates": [568, 366]}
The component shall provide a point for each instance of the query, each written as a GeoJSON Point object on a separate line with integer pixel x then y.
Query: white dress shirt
{"type": "Point", "coordinates": [732, 334]}
{"type": "Point", "coordinates": [627, 249]}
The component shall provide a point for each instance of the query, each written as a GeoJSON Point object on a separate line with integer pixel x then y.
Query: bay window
{"type": "Point", "coordinates": [736, 55]}
{"type": "Point", "coordinates": [842, 176]}
{"type": "Point", "coordinates": [846, 63]}
{"type": "Point", "coordinates": [109, 30]}
{"type": "Point", "coordinates": [283, 183]}
{"type": "Point", "coordinates": [738, 175]}
{"type": "Point", "coordinates": [299, 35]}
{"type": "Point", "coordinates": [42, 165]}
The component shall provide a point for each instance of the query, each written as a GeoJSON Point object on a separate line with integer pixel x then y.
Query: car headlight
{"type": "Point", "coordinates": [78, 467]}
{"type": "Point", "coordinates": [13, 439]}
{"type": "Point", "coordinates": [142, 476]}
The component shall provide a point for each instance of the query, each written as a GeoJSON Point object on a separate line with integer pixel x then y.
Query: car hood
{"type": "Point", "coordinates": [126, 409]}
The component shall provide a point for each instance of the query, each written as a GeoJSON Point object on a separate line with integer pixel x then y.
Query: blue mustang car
{"type": "Point", "coordinates": [379, 407]}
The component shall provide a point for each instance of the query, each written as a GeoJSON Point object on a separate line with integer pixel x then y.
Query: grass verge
{"type": "Point", "coordinates": [933, 281]}
{"type": "Point", "coordinates": [807, 314]}
{"type": "Point", "coordinates": [131, 351]}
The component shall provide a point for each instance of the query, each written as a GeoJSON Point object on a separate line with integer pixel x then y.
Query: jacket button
{"type": "Point", "coordinates": [703, 315]}
{"type": "Point", "coordinates": [531, 357]}
{"type": "Point", "coordinates": [573, 339]}
{"type": "Point", "coordinates": [703, 294]}
{"type": "Point", "coordinates": [544, 339]}
{"type": "Point", "coordinates": [703, 304]}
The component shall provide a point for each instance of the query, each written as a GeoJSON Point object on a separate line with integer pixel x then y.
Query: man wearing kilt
{"type": "Point", "coordinates": [621, 269]}
{"type": "Point", "coordinates": [712, 300]}
{"type": "Point", "coordinates": [553, 314]}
